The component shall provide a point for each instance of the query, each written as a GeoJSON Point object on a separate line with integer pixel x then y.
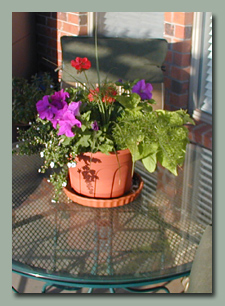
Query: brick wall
{"type": "Point", "coordinates": [178, 33]}
{"type": "Point", "coordinates": [49, 28]}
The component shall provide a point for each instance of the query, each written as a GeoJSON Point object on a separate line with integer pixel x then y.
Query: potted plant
{"type": "Point", "coordinates": [25, 94]}
{"type": "Point", "coordinates": [76, 127]}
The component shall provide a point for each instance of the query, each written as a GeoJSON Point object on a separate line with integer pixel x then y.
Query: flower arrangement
{"type": "Point", "coordinates": [99, 118]}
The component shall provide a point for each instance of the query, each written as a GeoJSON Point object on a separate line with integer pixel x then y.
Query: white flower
{"type": "Point", "coordinates": [42, 154]}
{"type": "Point", "coordinates": [69, 165]}
{"type": "Point", "coordinates": [64, 184]}
{"type": "Point", "coordinates": [17, 146]}
{"type": "Point", "coordinates": [39, 170]}
{"type": "Point", "coordinates": [73, 165]}
{"type": "Point", "coordinates": [53, 201]}
{"type": "Point", "coordinates": [52, 164]}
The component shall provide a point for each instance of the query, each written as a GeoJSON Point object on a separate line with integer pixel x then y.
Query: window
{"type": "Point", "coordinates": [131, 24]}
{"type": "Point", "coordinates": [201, 71]}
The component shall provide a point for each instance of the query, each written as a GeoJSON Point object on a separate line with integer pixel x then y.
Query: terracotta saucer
{"type": "Point", "coordinates": [137, 185]}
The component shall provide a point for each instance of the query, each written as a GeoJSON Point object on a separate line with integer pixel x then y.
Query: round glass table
{"type": "Point", "coordinates": [148, 241]}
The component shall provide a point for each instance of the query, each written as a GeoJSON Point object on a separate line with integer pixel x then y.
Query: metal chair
{"type": "Point", "coordinates": [119, 58]}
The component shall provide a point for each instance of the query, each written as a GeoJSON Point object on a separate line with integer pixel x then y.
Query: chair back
{"type": "Point", "coordinates": [119, 58]}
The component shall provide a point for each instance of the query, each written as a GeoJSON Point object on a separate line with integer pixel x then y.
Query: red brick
{"type": "Point", "coordinates": [54, 53]}
{"type": "Point", "coordinates": [83, 30]}
{"type": "Point", "coordinates": [183, 32]}
{"type": "Point", "coordinates": [168, 16]}
{"type": "Point", "coordinates": [201, 133]}
{"type": "Point", "coordinates": [167, 82]}
{"type": "Point", "coordinates": [189, 16]}
{"type": "Point", "coordinates": [51, 22]}
{"type": "Point", "coordinates": [169, 29]}
{"type": "Point", "coordinates": [70, 28]}
{"type": "Point", "coordinates": [179, 87]}
{"type": "Point", "coordinates": [169, 56]}
{"type": "Point", "coordinates": [59, 24]}
{"type": "Point", "coordinates": [59, 47]}
{"type": "Point", "coordinates": [183, 18]}
{"type": "Point", "coordinates": [170, 107]}
{"type": "Point", "coordinates": [62, 33]}
{"type": "Point", "coordinates": [182, 60]}
{"type": "Point", "coordinates": [52, 43]}
{"type": "Point", "coordinates": [83, 20]}
{"type": "Point", "coordinates": [181, 46]}
{"type": "Point", "coordinates": [73, 18]}
{"type": "Point", "coordinates": [59, 56]}
{"type": "Point", "coordinates": [54, 33]}
{"type": "Point", "coordinates": [62, 16]}
{"type": "Point", "coordinates": [181, 74]}
{"type": "Point", "coordinates": [207, 139]}
{"type": "Point", "coordinates": [180, 101]}
{"type": "Point", "coordinates": [43, 30]}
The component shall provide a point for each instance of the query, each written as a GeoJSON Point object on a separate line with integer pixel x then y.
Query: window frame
{"type": "Point", "coordinates": [198, 67]}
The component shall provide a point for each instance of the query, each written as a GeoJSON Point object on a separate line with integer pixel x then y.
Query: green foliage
{"type": "Point", "coordinates": [154, 136]}
{"type": "Point", "coordinates": [125, 122]}
{"type": "Point", "coordinates": [25, 95]}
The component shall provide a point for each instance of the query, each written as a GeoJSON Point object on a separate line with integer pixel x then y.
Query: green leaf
{"type": "Point", "coordinates": [84, 140]}
{"type": "Point", "coordinates": [86, 116]}
{"type": "Point", "coordinates": [66, 141]}
{"type": "Point", "coordinates": [151, 101]}
{"type": "Point", "coordinates": [147, 148]}
{"type": "Point", "coordinates": [130, 102]}
{"type": "Point", "coordinates": [150, 162]}
{"type": "Point", "coordinates": [166, 162]}
{"type": "Point", "coordinates": [145, 106]}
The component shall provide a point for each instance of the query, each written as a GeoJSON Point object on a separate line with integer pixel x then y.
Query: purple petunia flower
{"type": "Point", "coordinates": [45, 109]}
{"type": "Point", "coordinates": [74, 108]}
{"type": "Point", "coordinates": [59, 104]}
{"type": "Point", "coordinates": [144, 90]}
{"type": "Point", "coordinates": [58, 116]}
{"type": "Point", "coordinates": [59, 99]}
{"type": "Point", "coordinates": [60, 95]}
{"type": "Point", "coordinates": [95, 126]}
{"type": "Point", "coordinates": [66, 123]}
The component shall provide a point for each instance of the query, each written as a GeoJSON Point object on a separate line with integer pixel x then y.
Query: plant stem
{"type": "Point", "coordinates": [96, 51]}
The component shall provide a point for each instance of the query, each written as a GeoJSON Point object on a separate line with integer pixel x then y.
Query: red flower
{"type": "Point", "coordinates": [93, 94]}
{"type": "Point", "coordinates": [81, 64]}
{"type": "Point", "coordinates": [108, 97]}
{"type": "Point", "coordinates": [107, 94]}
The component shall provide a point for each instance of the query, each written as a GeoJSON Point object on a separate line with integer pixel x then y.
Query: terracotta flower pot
{"type": "Point", "coordinates": [100, 175]}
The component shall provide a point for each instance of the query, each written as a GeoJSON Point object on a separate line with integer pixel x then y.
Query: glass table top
{"type": "Point", "coordinates": [152, 238]}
